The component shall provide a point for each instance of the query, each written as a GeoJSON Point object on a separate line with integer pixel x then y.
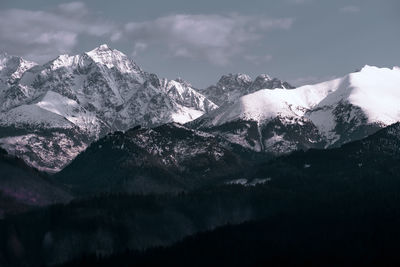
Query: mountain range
{"type": "Point", "coordinates": [100, 157]}
{"type": "Point", "coordinates": [52, 112]}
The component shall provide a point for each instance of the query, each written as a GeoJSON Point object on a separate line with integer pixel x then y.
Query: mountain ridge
{"type": "Point", "coordinates": [167, 158]}
{"type": "Point", "coordinates": [61, 107]}
{"type": "Point", "coordinates": [327, 114]}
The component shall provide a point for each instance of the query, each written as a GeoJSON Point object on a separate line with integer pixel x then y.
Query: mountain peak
{"type": "Point", "coordinates": [103, 47]}
{"type": "Point", "coordinates": [368, 67]}
{"type": "Point", "coordinates": [233, 81]}
{"type": "Point", "coordinates": [182, 81]}
{"type": "Point", "coordinates": [232, 86]}
{"type": "Point", "coordinates": [110, 58]}
{"type": "Point", "coordinates": [263, 77]}
{"type": "Point", "coordinates": [264, 81]}
{"type": "Point", "coordinates": [62, 61]}
{"type": "Point", "coordinates": [12, 67]}
{"type": "Point", "coordinates": [236, 76]}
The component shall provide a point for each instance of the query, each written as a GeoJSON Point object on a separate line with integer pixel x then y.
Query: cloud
{"type": "Point", "coordinates": [216, 38]}
{"type": "Point", "coordinates": [138, 47]}
{"type": "Point", "coordinates": [38, 35]}
{"type": "Point", "coordinates": [74, 8]}
{"type": "Point", "coordinates": [41, 35]}
{"type": "Point", "coordinates": [350, 9]}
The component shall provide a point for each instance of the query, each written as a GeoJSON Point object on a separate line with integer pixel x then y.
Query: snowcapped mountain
{"type": "Point", "coordinates": [184, 93]}
{"type": "Point", "coordinates": [322, 115]}
{"type": "Point", "coordinates": [52, 112]}
{"type": "Point", "coordinates": [232, 86]}
{"type": "Point", "coordinates": [358, 105]}
{"type": "Point", "coordinates": [58, 108]}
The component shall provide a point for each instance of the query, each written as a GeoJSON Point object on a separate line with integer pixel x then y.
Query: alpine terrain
{"type": "Point", "coordinates": [207, 133]}
{"type": "Point", "coordinates": [51, 112]}
{"type": "Point", "coordinates": [323, 115]}
{"type": "Point", "coordinates": [103, 162]}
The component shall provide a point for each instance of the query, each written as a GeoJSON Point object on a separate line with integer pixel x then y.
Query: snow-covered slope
{"type": "Point", "coordinates": [361, 102]}
{"type": "Point", "coordinates": [92, 93]}
{"type": "Point", "coordinates": [267, 104]}
{"type": "Point", "coordinates": [325, 114]}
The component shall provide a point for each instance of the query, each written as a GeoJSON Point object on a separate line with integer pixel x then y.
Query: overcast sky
{"type": "Point", "coordinates": [302, 41]}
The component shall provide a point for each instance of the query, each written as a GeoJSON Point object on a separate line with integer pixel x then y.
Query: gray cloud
{"type": "Point", "coordinates": [216, 38]}
{"type": "Point", "coordinates": [39, 35]}
{"type": "Point", "coordinates": [138, 47]}
{"type": "Point", "coordinates": [73, 8]}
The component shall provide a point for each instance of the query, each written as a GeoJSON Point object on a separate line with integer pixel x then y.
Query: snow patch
{"type": "Point", "coordinates": [246, 182]}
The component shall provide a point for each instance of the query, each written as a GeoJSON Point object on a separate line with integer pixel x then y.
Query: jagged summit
{"type": "Point", "coordinates": [12, 69]}
{"type": "Point", "coordinates": [63, 61]}
{"type": "Point", "coordinates": [264, 81]}
{"type": "Point", "coordinates": [113, 58]}
{"type": "Point", "coordinates": [264, 77]}
{"type": "Point", "coordinates": [232, 86]}
{"type": "Point", "coordinates": [234, 81]}
{"type": "Point", "coordinates": [183, 93]}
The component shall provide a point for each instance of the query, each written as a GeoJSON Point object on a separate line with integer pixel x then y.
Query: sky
{"type": "Point", "coordinates": [300, 41]}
